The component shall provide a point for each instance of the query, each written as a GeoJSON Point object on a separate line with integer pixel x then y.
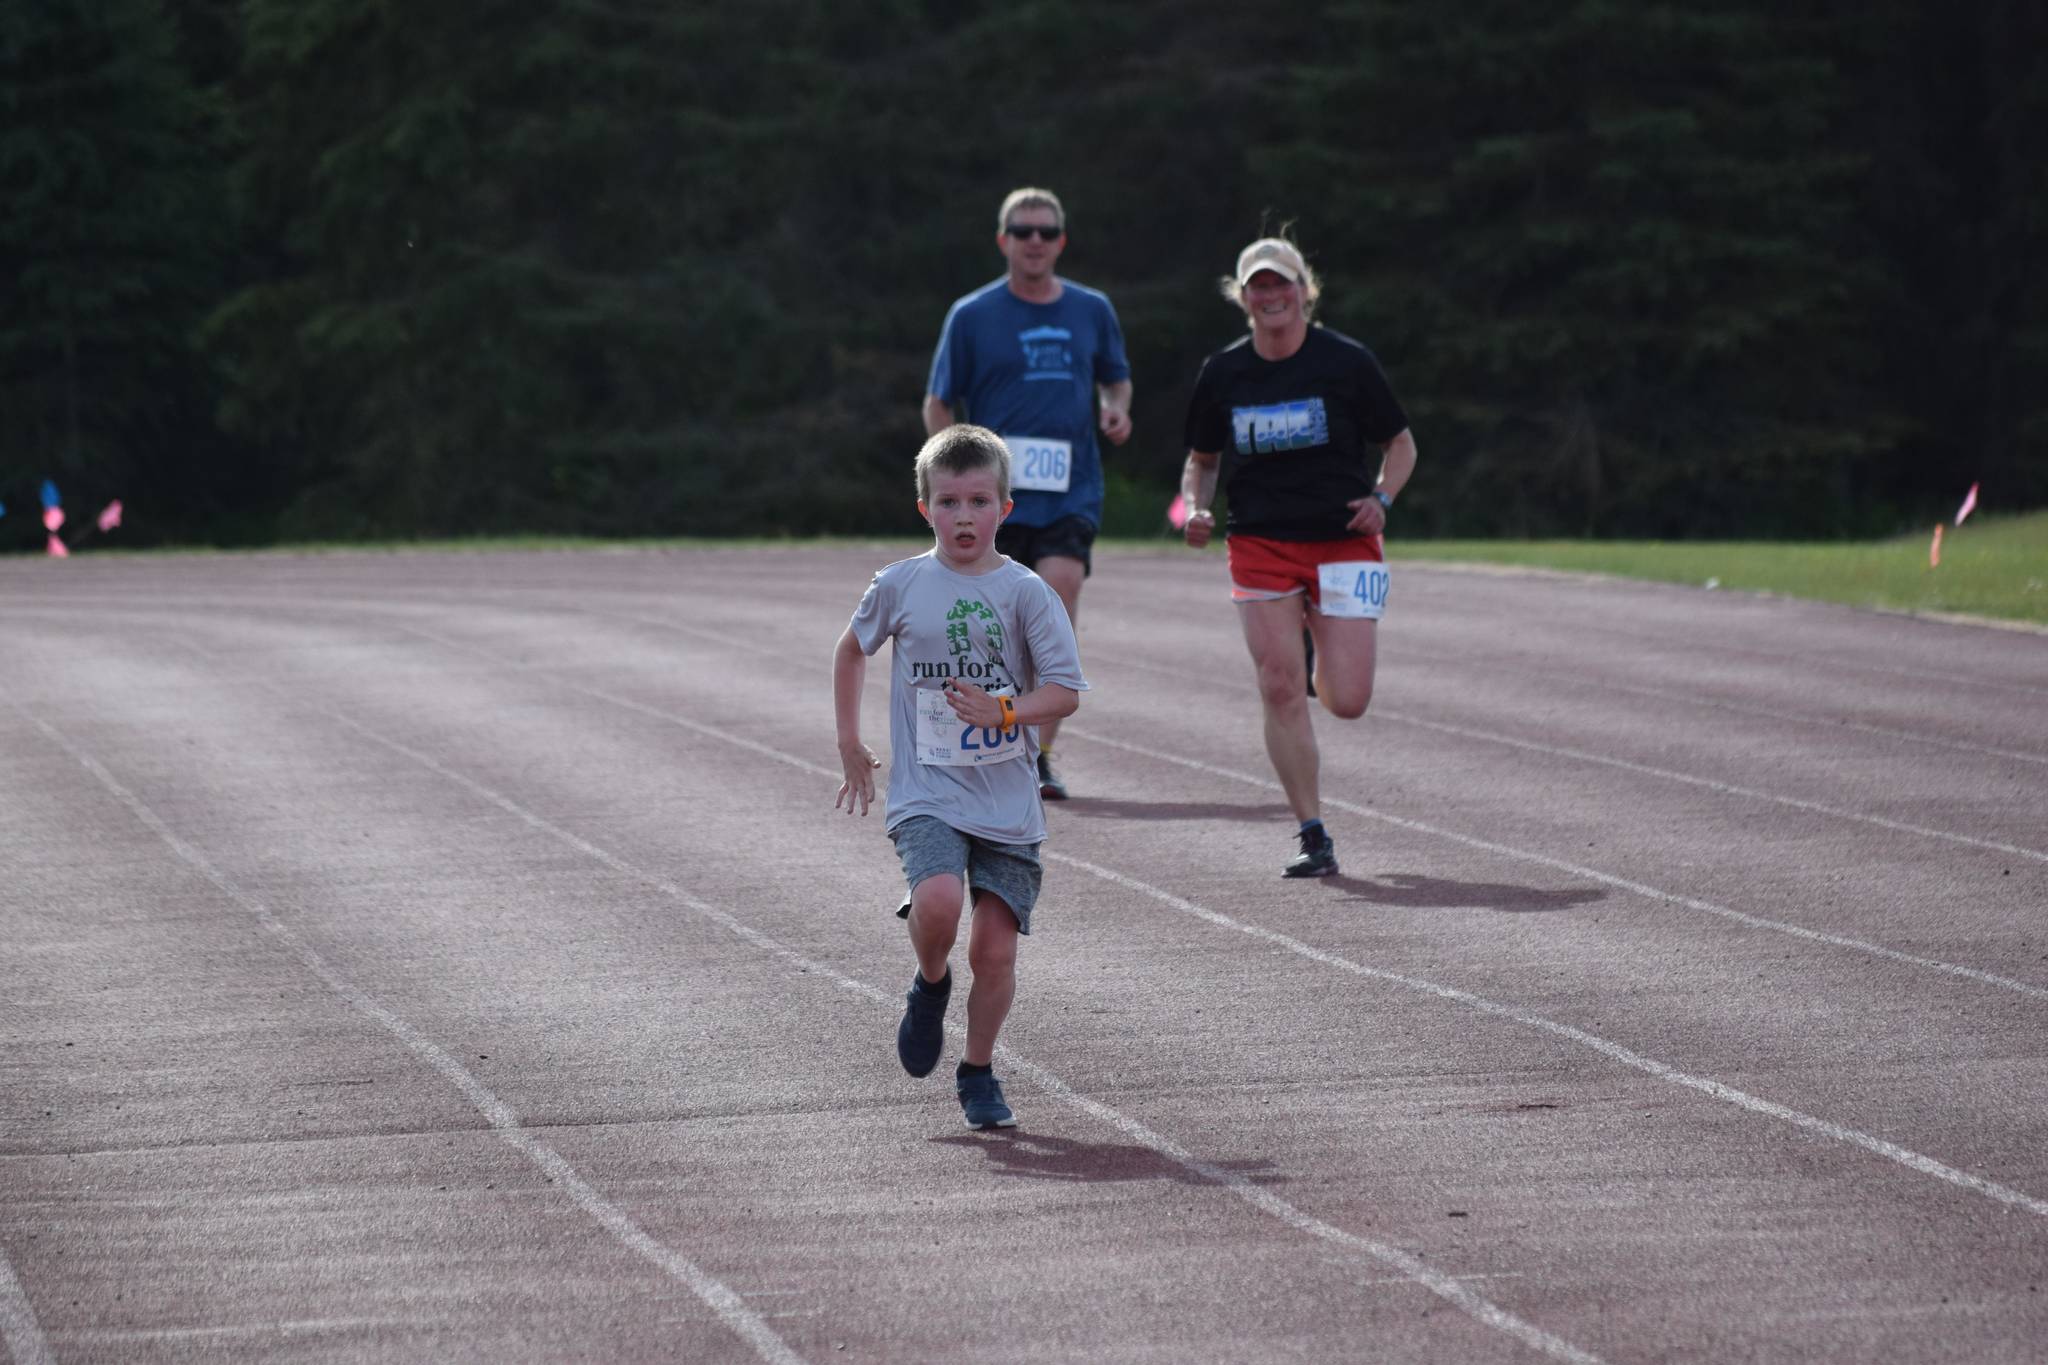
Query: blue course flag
{"type": "Point", "coordinates": [49, 494]}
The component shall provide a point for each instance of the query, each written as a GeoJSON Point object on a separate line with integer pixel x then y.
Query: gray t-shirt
{"type": "Point", "coordinates": [1005, 631]}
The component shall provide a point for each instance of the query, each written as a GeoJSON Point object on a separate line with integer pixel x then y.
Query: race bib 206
{"type": "Point", "coordinates": [1040, 464]}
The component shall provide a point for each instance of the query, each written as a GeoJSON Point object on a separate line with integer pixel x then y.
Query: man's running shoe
{"type": "Point", "coordinates": [922, 1034]}
{"type": "Point", "coordinates": [1050, 788]}
{"type": "Point", "coordinates": [981, 1100]}
{"type": "Point", "coordinates": [1318, 856]}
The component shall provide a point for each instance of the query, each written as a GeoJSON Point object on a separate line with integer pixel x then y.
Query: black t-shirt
{"type": "Point", "coordinates": [1300, 437]}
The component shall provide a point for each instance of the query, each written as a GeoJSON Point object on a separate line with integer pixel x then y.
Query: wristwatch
{"type": "Point", "coordinates": [1384, 500]}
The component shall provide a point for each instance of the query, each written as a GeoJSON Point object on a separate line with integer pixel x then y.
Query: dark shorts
{"type": "Point", "coordinates": [929, 846]}
{"type": "Point", "coordinates": [1068, 538]}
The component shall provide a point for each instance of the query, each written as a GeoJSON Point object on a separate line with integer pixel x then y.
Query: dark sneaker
{"type": "Point", "coordinates": [1318, 857]}
{"type": "Point", "coordinates": [1050, 788]}
{"type": "Point", "coordinates": [1308, 649]}
{"type": "Point", "coordinates": [922, 1034]}
{"type": "Point", "coordinates": [981, 1099]}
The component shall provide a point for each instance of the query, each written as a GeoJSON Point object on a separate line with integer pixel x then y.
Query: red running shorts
{"type": "Point", "coordinates": [1264, 570]}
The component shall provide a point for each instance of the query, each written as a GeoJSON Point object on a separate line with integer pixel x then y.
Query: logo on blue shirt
{"type": "Point", "coordinates": [1047, 353]}
{"type": "Point", "coordinates": [1281, 426]}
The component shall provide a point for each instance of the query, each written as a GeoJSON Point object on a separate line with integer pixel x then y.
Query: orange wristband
{"type": "Point", "coordinates": [1009, 712]}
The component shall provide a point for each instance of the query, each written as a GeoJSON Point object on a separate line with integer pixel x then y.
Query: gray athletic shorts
{"type": "Point", "coordinates": [929, 846]}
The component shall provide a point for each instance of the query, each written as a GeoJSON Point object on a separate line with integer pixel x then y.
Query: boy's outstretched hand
{"type": "Point", "coordinates": [860, 763]}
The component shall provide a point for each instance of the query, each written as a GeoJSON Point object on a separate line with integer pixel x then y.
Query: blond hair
{"type": "Point", "coordinates": [961, 449]}
{"type": "Point", "coordinates": [1031, 198]}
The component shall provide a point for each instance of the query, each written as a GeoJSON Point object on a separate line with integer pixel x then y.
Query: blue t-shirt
{"type": "Point", "coordinates": [1029, 370]}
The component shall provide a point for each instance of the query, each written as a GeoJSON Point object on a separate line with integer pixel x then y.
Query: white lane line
{"type": "Point", "coordinates": [1484, 736]}
{"type": "Point", "coordinates": [729, 1306]}
{"type": "Point", "coordinates": [284, 1327]}
{"type": "Point", "coordinates": [1679, 648]}
{"type": "Point", "coordinates": [1559, 864]}
{"type": "Point", "coordinates": [1444, 1286]}
{"type": "Point", "coordinates": [1448, 1287]}
{"type": "Point", "coordinates": [1521, 664]}
{"type": "Point", "coordinates": [1397, 717]}
{"type": "Point", "coordinates": [1468, 1279]}
{"type": "Point", "coordinates": [1724, 788]}
{"type": "Point", "coordinates": [1487, 736]}
{"type": "Point", "coordinates": [1906, 1157]}
{"type": "Point", "coordinates": [1494, 737]}
{"type": "Point", "coordinates": [1828, 666]}
{"type": "Point", "coordinates": [1682, 648]}
{"type": "Point", "coordinates": [1642, 889]}
{"type": "Point", "coordinates": [1690, 648]}
{"type": "Point", "coordinates": [1503, 850]}
{"type": "Point", "coordinates": [1912, 1160]}
{"type": "Point", "coordinates": [24, 1335]}
{"type": "Point", "coordinates": [1465, 732]}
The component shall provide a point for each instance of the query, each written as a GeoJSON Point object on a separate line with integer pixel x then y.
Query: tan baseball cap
{"type": "Point", "coordinates": [1276, 254]}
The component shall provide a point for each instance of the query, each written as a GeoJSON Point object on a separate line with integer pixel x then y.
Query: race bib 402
{"type": "Point", "coordinates": [1353, 591]}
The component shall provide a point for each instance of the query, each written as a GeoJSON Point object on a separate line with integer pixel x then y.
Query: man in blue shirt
{"type": "Point", "coordinates": [1031, 355]}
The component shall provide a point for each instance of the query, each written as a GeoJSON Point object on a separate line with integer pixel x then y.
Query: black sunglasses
{"type": "Point", "coordinates": [1046, 232]}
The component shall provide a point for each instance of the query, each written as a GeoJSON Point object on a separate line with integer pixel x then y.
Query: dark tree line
{"type": "Point", "coordinates": [338, 268]}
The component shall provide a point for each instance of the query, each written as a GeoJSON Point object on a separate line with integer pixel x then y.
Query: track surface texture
{"type": "Point", "coordinates": [431, 957]}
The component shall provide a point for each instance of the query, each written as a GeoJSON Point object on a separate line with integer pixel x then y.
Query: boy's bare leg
{"type": "Point", "coordinates": [934, 923]}
{"type": "Point", "coordinates": [992, 953]}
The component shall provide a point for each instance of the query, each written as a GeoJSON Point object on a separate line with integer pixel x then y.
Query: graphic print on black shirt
{"type": "Point", "coordinates": [1300, 437]}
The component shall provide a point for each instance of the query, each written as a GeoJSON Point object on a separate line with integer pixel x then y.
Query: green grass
{"type": "Point", "coordinates": [1990, 566]}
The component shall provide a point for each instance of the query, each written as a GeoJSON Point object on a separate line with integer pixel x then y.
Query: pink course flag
{"type": "Point", "coordinates": [110, 515]}
{"type": "Point", "coordinates": [1969, 505]}
{"type": "Point", "coordinates": [1934, 550]}
{"type": "Point", "coordinates": [57, 550]}
{"type": "Point", "coordinates": [1177, 512]}
{"type": "Point", "coordinates": [53, 517]}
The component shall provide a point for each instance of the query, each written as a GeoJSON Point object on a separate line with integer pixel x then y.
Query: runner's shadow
{"type": "Point", "coordinates": [1406, 890]}
{"type": "Point", "coordinates": [1038, 1156]}
{"type": "Point", "coordinates": [1171, 810]}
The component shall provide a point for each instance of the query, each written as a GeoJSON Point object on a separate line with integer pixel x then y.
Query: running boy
{"type": "Point", "coordinates": [983, 653]}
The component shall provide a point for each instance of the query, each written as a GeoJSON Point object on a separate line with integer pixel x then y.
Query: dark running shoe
{"type": "Point", "coordinates": [1318, 856]}
{"type": "Point", "coordinates": [922, 1034]}
{"type": "Point", "coordinates": [1308, 649]}
{"type": "Point", "coordinates": [981, 1100]}
{"type": "Point", "coordinates": [1050, 788]}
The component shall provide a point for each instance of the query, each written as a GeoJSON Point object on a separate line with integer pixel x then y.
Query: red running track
{"type": "Point", "coordinates": [423, 956]}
